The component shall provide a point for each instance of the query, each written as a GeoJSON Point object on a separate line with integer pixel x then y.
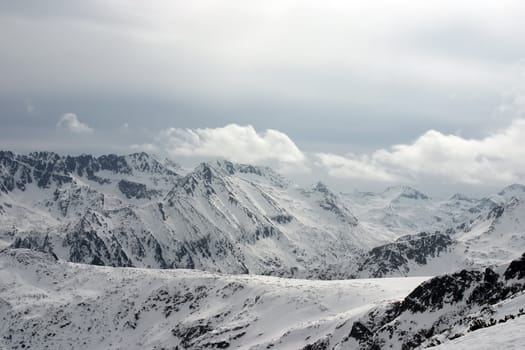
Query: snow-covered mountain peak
{"type": "Point", "coordinates": [404, 192]}
{"type": "Point", "coordinates": [331, 202]}
{"type": "Point", "coordinates": [146, 163]}
{"type": "Point", "coordinates": [207, 172]}
{"type": "Point", "coordinates": [253, 173]}
{"type": "Point", "coordinates": [461, 197]}
{"type": "Point", "coordinates": [44, 156]}
{"type": "Point", "coordinates": [322, 188]}
{"type": "Point", "coordinates": [516, 190]}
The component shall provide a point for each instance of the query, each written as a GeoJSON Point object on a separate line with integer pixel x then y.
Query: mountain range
{"type": "Point", "coordinates": [141, 211]}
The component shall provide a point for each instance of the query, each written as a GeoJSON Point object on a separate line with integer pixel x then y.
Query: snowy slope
{"type": "Point", "coordinates": [45, 303]}
{"type": "Point", "coordinates": [499, 234]}
{"type": "Point", "coordinates": [508, 335]}
{"type": "Point", "coordinates": [444, 235]}
{"type": "Point", "coordinates": [52, 304]}
{"type": "Point", "coordinates": [404, 210]}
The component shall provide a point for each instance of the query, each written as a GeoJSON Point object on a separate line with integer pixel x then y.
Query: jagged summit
{"type": "Point", "coordinates": [45, 168]}
{"type": "Point", "coordinates": [402, 191]}
{"type": "Point", "coordinates": [331, 202]}
{"type": "Point", "coordinates": [253, 172]}
{"type": "Point", "coordinates": [321, 187]}
{"type": "Point", "coordinates": [513, 190]}
{"type": "Point", "coordinates": [461, 197]}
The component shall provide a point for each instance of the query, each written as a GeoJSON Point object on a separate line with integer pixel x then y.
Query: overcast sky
{"type": "Point", "coordinates": [360, 94]}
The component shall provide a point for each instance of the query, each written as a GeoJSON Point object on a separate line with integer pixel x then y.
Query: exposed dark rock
{"type": "Point", "coordinates": [396, 256]}
{"type": "Point", "coordinates": [135, 190]}
{"type": "Point", "coordinates": [47, 168]}
{"type": "Point", "coordinates": [360, 332]}
{"type": "Point", "coordinates": [86, 246]}
{"type": "Point", "coordinates": [516, 269]}
{"type": "Point", "coordinates": [321, 344]}
{"type": "Point", "coordinates": [34, 241]}
{"type": "Point", "coordinates": [445, 300]}
{"type": "Point", "coordinates": [282, 219]}
{"type": "Point", "coordinates": [189, 335]}
{"type": "Point", "coordinates": [433, 294]}
{"type": "Point", "coordinates": [496, 212]}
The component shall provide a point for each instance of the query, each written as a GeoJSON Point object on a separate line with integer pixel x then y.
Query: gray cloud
{"type": "Point", "coordinates": [334, 77]}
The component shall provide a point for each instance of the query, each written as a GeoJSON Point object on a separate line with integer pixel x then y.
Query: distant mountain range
{"type": "Point", "coordinates": [138, 210]}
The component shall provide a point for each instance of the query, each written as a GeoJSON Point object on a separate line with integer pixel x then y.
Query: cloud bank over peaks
{"type": "Point", "coordinates": [496, 158]}
{"type": "Point", "coordinates": [70, 122]}
{"type": "Point", "coordinates": [238, 143]}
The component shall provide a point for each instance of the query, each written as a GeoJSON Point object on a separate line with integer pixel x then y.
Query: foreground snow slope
{"type": "Point", "coordinates": [508, 336]}
{"type": "Point", "coordinates": [50, 304]}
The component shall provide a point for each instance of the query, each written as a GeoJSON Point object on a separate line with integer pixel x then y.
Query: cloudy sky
{"type": "Point", "coordinates": [360, 94]}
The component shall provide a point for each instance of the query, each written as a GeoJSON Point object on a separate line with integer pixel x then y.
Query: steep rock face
{"type": "Point", "coordinates": [72, 200]}
{"type": "Point", "coordinates": [396, 258]}
{"type": "Point", "coordinates": [136, 190]}
{"type": "Point", "coordinates": [330, 202]}
{"type": "Point", "coordinates": [46, 169]}
{"type": "Point", "coordinates": [445, 307]}
{"type": "Point", "coordinates": [87, 246]}
{"type": "Point", "coordinates": [16, 172]}
{"type": "Point", "coordinates": [245, 206]}
{"type": "Point", "coordinates": [516, 269]}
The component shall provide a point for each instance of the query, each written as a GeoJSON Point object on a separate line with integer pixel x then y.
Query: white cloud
{"type": "Point", "coordinates": [497, 158]}
{"type": "Point", "coordinates": [69, 121]}
{"type": "Point", "coordinates": [234, 142]}
{"type": "Point", "coordinates": [353, 167]}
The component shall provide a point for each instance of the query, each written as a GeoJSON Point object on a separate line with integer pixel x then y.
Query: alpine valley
{"type": "Point", "coordinates": [137, 252]}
